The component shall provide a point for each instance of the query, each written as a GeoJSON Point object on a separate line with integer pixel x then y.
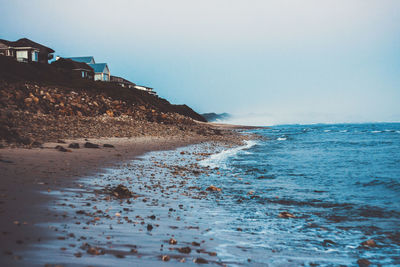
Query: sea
{"type": "Point", "coordinates": [341, 183]}
{"type": "Point", "coordinates": [299, 195]}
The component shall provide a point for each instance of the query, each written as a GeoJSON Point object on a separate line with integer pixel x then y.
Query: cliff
{"type": "Point", "coordinates": [13, 73]}
{"type": "Point", "coordinates": [40, 103]}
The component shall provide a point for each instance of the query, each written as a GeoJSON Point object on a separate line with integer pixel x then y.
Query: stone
{"type": "Point", "coordinates": [95, 251]}
{"type": "Point", "coordinates": [74, 145]}
{"type": "Point", "coordinates": [369, 243]}
{"type": "Point", "coordinates": [172, 241]}
{"type": "Point", "coordinates": [110, 113]}
{"type": "Point", "coordinates": [213, 188]}
{"type": "Point", "coordinates": [108, 145]}
{"type": "Point", "coordinates": [91, 145]}
{"type": "Point", "coordinates": [121, 191]}
{"type": "Point", "coordinates": [185, 250]}
{"type": "Point", "coordinates": [328, 243]}
{"type": "Point", "coordinates": [200, 261]}
{"type": "Point", "coordinates": [165, 258]}
{"type": "Point", "coordinates": [363, 262]}
{"type": "Point", "coordinates": [28, 101]}
{"type": "Point", "coordinates": [61, 148]}
{"type": "Point", "coordinates": [286, 215]}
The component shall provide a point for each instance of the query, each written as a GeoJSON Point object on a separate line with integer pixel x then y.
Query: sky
{"type": "Point", "coordinates": [266, 62]}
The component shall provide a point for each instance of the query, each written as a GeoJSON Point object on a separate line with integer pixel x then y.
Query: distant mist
{"type": "Point", "coordinates": [264, 119]}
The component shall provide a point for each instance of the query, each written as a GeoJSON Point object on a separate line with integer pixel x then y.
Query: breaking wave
{"type": "Point", "coordinates": [219, 160]}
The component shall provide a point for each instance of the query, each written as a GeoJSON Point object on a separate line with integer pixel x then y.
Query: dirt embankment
{"type": "Point", "coordinates": [13, 72]}
{"type": "Point", "coordinates": [40, 103]}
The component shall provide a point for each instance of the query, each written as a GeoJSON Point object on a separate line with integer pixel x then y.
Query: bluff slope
{"type": "Point", "coordinates": [12, 72]}
{"type": "Point", "coordinates": [40, 103]}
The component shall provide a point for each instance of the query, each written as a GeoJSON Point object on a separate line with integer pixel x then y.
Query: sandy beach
{"type": "Point", "coordinates": [26, 173]}
{"type": "Point", "coordinates": [28, 176]}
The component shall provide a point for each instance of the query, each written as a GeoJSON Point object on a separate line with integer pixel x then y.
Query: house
{"type": "Point", "coordinates": [122, 82]}
{"type": "Point", "coordinates": [87, 60]}
{"type": "Point", "coordinates": [82, 70]}
{"type": "Point", "coordinates": [25, 50]}
{"type": "Point", "coordinates": [101, 70]}
{"type": "Point", "coordinates": [145, 88]}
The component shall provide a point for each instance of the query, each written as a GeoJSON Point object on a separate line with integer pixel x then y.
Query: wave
{"type": "Point", "coordinates": [388, 183]}
{"type": "Point", "coordinates": [218, 160]}
{"type": "Point", "coordinates": [281, 138]}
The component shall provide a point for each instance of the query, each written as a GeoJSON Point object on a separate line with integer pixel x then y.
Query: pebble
{"type": "Point", "coordinates": [286, 215]}
{"type": "Point", "coordinates": [369, 243]}
{"type": "Point", "coordinates": [363, 262]}
{"type": "Point", "coordinates": [185, 250]}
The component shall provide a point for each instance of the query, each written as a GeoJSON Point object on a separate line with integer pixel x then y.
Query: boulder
{"type": "Point", "coordinates": [74, 145]}
{"type": "Point", "coordinates": [121, 191]}
{"type": "Point", "coordinates": [91, 145]}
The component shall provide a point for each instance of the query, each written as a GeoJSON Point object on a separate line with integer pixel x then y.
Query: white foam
{"type": "Point", "coordinates": [376, 131]}
{"type": "Point", "coordinates": [327, 131]}
{"type": "Point", "coordinates": [218, 160]}
{"type": "Point", "coordinates": [281, 138]}
{"type": "Point", "coordinates": [343, 131]}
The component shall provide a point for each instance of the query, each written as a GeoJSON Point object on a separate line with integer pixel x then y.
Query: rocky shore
{"type": "Point", "coordinates": [31, 114]}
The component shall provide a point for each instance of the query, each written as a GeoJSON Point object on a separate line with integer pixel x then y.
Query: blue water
{"type": "Point", "coordinates": [342, 182]}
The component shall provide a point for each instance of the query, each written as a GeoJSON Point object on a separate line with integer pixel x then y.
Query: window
{"type": "Point", "coordinates": [35, 56]}
{"type": "Point", "coordinates": [22, 56]}
{"type": "Point", "coordinates": [83, 74]}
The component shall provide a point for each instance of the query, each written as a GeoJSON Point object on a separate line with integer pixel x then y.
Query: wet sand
{"type": "Point", "coordinates": [27, 173]}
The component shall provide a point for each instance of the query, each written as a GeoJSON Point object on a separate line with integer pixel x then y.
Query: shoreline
{"type": "Point", "coordinates": [27, 173]}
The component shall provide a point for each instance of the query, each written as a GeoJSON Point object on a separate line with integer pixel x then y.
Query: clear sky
{"type": "Point", "coordinates": [266, 61]}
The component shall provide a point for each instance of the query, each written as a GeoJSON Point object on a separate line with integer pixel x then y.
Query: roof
{"type": "Point", "coordinates": [71, 64]}
{"type": "Point", "coordinates": [2, 41]}
{"type": "Point", "coordinates": [142, 86]}
{"type": "Point", "coordinates": [120, 80]}
{"type": "Point", "coordinates": [87, 60]}
{"type": "Point", "coordinates": [25, 42]}
{"type": "Point", "coordinates": [99, 67]}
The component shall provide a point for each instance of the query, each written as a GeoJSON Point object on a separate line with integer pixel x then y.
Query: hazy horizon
{"type": "Point", "coordinates": [269, 62]}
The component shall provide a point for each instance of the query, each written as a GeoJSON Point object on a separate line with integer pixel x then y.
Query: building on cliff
{"type": "Point", "coordinates": [101, 70]}
{"type": "Point", "coordinates": [25, 50]}
{"type": "Point", "coordinates": [81, 70]}
{"type": "Point", "coordinates": [145, 88]}
{"type": "Point", "coordinates": [122, 82]}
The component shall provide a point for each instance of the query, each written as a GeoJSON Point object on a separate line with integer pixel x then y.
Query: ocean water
{"type": "Point", "coordinates": [341, 182]}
